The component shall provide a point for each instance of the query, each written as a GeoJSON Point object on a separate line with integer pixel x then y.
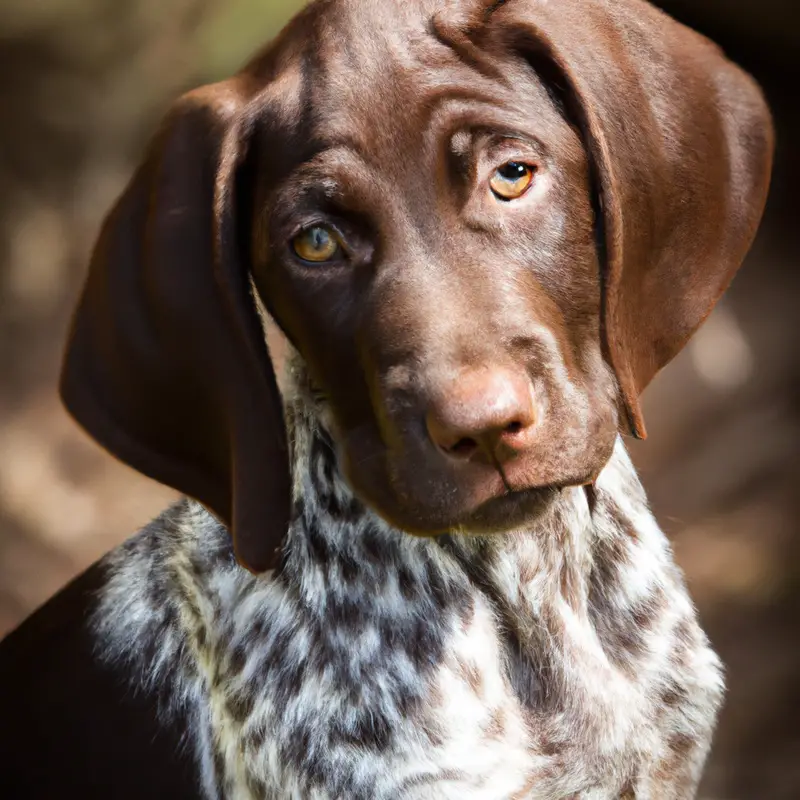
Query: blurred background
{"type": "Point", "coordinates": [83, 84]}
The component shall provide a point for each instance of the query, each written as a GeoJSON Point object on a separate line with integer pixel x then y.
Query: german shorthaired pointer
{"type": "Point", "coordinates": [482, 228]}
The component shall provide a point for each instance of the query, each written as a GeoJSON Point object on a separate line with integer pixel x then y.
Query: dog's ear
{"type": "Point", "coordinates": [166, 364]}
{"type": "Point", "coordinates": [680, 142]}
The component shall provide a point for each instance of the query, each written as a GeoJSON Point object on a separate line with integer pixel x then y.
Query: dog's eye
{"type": "Point", "coordinates": [317, 244]}
{"type": "Point", "coordinates": [512, 180]}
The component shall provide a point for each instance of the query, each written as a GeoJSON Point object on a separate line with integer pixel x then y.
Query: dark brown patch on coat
{"type": "Point", "coordinates": [240, 705]}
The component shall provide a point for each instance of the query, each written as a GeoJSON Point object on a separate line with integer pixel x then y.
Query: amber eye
{"type": "Point", "coordinates": [512, 180]}
{"type": "Point", "coordinates": [317, 244]}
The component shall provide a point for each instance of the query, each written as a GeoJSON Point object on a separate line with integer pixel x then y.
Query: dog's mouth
{"type": "Point", "coordinates": [443, 506]}
{"type": "Point", "coordinates": [414, 491]}
{"type": "Point", "coordinates": [512, 508]}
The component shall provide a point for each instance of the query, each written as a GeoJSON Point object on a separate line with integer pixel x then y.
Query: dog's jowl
{"type": "Point", "coordinates": [414, 560]}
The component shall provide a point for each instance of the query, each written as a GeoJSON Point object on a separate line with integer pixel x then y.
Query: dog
{"type": "Point", "coordinates": [414, 561]}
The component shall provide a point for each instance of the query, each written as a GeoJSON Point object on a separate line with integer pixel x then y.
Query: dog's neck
{"type": "Point", "coordinates": [555, 550]}
{"type": "Point", "coordinates": [591, 556]}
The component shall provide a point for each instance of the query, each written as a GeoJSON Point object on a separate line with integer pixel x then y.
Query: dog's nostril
{"type": "Point", "coordinates": [463, 447]}
{"type": "Point", "coordinates": [486, 416]}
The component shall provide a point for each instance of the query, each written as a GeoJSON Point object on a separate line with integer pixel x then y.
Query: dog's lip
{"type": "Point", "coordinates": [507, 496]}
{"type": "Point", "coordinates": [511, 495]}
{"type": "Point", "coordinates": [518, 506]}
{"type": "Point", "coordinates": [506, 488]}
{"type": "Point", "coordinates": [520, 493]}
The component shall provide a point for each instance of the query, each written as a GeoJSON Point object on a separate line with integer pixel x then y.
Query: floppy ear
{"type": "Point", "coordinates": [166, 364]}
{"type": "Point", "coordinates": [681, 144]}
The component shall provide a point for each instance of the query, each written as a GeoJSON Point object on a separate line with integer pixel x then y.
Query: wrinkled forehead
{"type": "Point", "coordinates": [381, 77]}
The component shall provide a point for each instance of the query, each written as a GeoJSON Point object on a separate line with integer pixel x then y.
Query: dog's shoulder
{"type": "Point", "coordinates": [154, 583]}
{"type": "Point", "coordinates": [80, 718]}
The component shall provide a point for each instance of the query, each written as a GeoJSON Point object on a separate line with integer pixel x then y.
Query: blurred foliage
{"type": "Point", "coordinates": [240, 27]}
{"type": "Point", "coordinates": [71, 66]}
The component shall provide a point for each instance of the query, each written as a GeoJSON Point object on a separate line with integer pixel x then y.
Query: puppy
{"type": "Point", "coordinates": [425, 567]}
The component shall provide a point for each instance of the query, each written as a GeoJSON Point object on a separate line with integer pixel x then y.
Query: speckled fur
{"type": "Point", "coordinates": [562, 661]}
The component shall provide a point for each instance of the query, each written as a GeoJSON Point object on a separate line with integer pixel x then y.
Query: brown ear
{"type": "Point", "coordinates": [681, 145]}
{"type": "Point", "coordinates": [166, 364]}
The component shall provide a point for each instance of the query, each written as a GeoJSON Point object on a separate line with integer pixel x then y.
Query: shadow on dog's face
{"type": "Point", "coordinates": [484, 225]}
{"type": "Point", "coordinates": [430, 250]}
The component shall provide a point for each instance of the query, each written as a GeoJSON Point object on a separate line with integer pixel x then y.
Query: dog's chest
{"type": "Point", "coordinates": [409, 681]}
{"type": "Point", "coordinates": [542, 665]}
{"type": "Point", "coordinates": [445, 721]}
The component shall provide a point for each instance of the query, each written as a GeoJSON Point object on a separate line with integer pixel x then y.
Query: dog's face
{"type": "Point", "coordinates": [429, 247]}
{"type": "Point", "coordinates": [484, 225]}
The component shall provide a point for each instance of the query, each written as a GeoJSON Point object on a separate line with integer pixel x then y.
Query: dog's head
{"type": "Point", "coordinates": [485, 226]}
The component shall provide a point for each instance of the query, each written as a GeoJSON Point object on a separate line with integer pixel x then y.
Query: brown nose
{"type": "Point", "coordinates": [487, 415]}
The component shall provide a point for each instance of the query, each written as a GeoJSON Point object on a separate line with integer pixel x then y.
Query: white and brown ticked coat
{"type": "Point", "coordinates": [563, 661]}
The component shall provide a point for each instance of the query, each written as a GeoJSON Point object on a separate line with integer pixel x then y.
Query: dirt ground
{"type": "Point", "coordinates": [81, 89]}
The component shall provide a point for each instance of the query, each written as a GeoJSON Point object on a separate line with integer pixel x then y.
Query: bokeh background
{"type": "Point", "coordinates": [83, 84]}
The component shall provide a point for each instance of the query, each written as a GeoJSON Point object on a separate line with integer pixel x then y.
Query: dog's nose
{"type": "Point", "coordinates": [487, 416]}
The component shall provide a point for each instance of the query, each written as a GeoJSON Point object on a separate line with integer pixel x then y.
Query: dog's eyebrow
{"type": "Point", "coordinates": [494, 5]}
{"type": "Point", "coordinates": [465, 50]}
{"type": "Point", "coordinates": [441, 103]}
{"type": "Point", "coordinates": [338, 145]}
{"type": "Point", "coordinates": [457, 35]}
{"type": "Point", "coordinates": [325, 173]}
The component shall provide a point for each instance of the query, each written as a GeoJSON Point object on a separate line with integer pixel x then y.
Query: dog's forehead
{"type": "Point", "coordinates": [373, 73]}
{"type": "Point", "coordinates": [397, 16]}
{"type": "Point", "coordinates": [363, 46]}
